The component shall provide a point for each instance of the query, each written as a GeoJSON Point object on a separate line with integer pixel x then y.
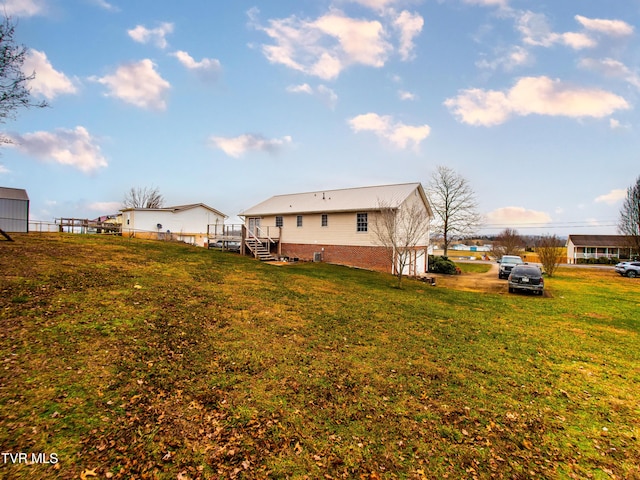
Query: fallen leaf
{"type": "Point", "coordinates": [88, 473]}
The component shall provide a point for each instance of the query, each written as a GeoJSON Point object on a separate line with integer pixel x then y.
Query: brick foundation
{"type": "Point", "coordinates": [370, 258]}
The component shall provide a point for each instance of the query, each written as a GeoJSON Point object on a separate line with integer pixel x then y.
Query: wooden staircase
{"type": "Point", "coordinates": [259, 250]}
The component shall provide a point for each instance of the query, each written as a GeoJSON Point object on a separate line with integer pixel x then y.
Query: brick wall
{"type": "Point", "coordinates": [371, 258]}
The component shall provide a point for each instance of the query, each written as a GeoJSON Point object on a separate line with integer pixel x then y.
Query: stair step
{"type": "Point", "coordinates": [259, 250]}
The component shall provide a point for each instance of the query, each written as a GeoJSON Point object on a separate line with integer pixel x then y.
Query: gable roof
{"type": "Point", "coordinates": [342, 200]}
{"type": "Point", "coordinates": [13, 193]}
{"type": "Point", "coordinates": [176, 209]}
{"type": "Point", "coordinates": [599, 240]}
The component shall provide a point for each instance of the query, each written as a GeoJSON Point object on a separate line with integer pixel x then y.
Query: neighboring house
{"type": "Point", "coordinates": [335, 226]}
{"type": "Point", "coordinates": [185, 223]}
{"type": "Point", "coordinates": [585, 247]}
{"type": "Point", "coordinates": [471, 248]}
{"type": "Point", "coordinates": [14, 210]}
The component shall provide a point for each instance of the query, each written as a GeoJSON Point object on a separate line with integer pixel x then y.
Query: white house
{"type": "Point", "coordinates": [582, 248]}
{"type": "Point", "coordinates": [335, 226]}
{"type": "Point", "coordinates": [186, 223]}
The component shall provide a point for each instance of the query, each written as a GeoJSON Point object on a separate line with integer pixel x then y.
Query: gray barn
{"type": "Point", "coordinates": [14, 210]}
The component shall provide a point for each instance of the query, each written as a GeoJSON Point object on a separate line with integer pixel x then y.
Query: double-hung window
{"type": "Point", "coordinates": [299, 221]}
{"type": "Point", "coordinates": [279, 221]}
{"type": "Point", "coordinates": [362, 222]}
{"type": "Point", "coordinates": [324, 220]}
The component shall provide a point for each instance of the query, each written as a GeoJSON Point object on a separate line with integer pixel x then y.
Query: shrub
{"type": "Point", "coordinates": [442, 265]}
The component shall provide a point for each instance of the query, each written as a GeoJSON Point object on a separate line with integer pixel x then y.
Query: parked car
{"type": "Point", "coordinates": [628, 269]}
{"type": "Point", "coordinates": [526, 277]}
{"type": "Point", "coordinates": [507, 262]}
{"type": "Point", "coordinates": [232, 246]}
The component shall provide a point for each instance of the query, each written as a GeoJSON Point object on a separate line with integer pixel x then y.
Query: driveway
{"type": "Point", "coordinates": [474, 282]}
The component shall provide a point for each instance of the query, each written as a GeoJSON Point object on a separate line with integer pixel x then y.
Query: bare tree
{"type": "Point", "coordinates": [145, 197]}
{"type": "Point", "coordinates": [454, 205]}
{"type": "Point", "coordinates": [550, 250]}
{"type": "Point", "coordinates": [402, 230]}
{"type": "Point", "coordinates": [14, 91]}
{"type": "Point", "coordinates": [508, 242]}
{"type": "Point", "coordinates": [629, 222]}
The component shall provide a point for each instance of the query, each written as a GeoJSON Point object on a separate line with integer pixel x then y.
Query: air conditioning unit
{"type": "Point", "coordinates": [317, 256]}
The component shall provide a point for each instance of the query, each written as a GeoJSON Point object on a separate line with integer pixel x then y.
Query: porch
{"type": "Point", "coordinates": [262, 243]}
{"type": "Point", "coordinates": [582, 254]}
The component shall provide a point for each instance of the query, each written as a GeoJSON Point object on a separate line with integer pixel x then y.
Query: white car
{"type": "Point", "coordinates": [628, 269]}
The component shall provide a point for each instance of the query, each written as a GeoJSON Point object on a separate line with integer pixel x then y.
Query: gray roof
{"type": "Point", "coordinates": [177, 208]}
{"type": "Point", "coordinates": [13, 193]}
{"type": "Point", "coordinates": [599, 240]}
{"type": "Point", "coordinates": [342, 200]}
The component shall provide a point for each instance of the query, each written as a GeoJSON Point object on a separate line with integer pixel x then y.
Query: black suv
{"type": "Point", "coordinates": [526, 277]}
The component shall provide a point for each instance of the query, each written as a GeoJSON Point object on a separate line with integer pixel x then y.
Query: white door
{"type": "Point", "coordinates": [254, 226]}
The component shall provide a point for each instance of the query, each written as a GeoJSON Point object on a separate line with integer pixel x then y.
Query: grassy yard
{"type": "Point", "coordinates": [471, 267]}
{"type": "Point", "coordinates": [139, 359]}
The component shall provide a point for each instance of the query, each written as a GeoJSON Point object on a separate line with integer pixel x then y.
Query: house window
{"type": "Point", "coordinates": [299, 221]}
{"type": "Point", "coordinates": [324, 220]}
{"type": "Point", "coordinates": [362, 222]}
{"type": "Point", "coordinates": [279, 222]}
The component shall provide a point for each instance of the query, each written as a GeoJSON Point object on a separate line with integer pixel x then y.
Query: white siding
{"type": "Point", "coordinates": [14, 215]}
{"type": "Point", "coordinates": [184, 223]}
{"type": "Point", "coordinates": [340, 229]}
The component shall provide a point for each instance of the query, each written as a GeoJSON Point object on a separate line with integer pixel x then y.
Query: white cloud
{"type": "Point", "coordinates": [610, 67]}
{"type": "Point", "coordinates": [614, 28]}
{"type": "Point", "coordinates": [325, 46]}
{"type": "Point", "coordinates": [577, 41]}
{"type": "Point", "coordinates": [616, 125]}
{"type": "Point", "coordinates": [613, 197]}
{"type": "Point", "coordinates": [533, 95]}
{"type": "Point", "coordinates": [536, 31]}
{"type": "Point", "coordinates": [207, 69]}
{"type": "Point", "coordinates": [105, 5]}
{"type": "Point", "coordinates": [375, 4]}
{"type": "Point", "coordinates": [138, 84]}
{"type": "Point", "coordinates": [22, 8]}
{"type": "Point", "coordinates": [237, 146]}
{"type": "Point", "coordinates": [517, 216]}
{"type": "Point", "coordinates": [105, 206]}
{"type": "Point", "coordinates": [409, 25]}
{"type": "Point", "coordinates": [488, 3]}
{"type": "Point", "coordinates": [48, 82]}
{"type": "Point", "coordinates": [303, 88]}
{"type": "Point", "coordinates": [3, 169]}
{"type": "Point", "coordinates": [404, 95]}
{"type": "Point", "coordinates": [359, 41]}
{"type": "Point", "coordinates": [397, 133]}
{"type": "Point", "coordinates": [142, 34]}
{"type": "Point", "coordinates": [507, 60]}
{"type": "Point", "coordinates": [75, 148]}
{"type": "Point", "coordinates": [327, 95]}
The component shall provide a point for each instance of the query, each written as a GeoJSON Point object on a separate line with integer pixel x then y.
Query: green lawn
{"type": "Point", "coordinates": [472, 267]}
{"type": "Point", "coordinates": [141, 359]}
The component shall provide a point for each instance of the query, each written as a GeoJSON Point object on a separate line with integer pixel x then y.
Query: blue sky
{"type": "Point", "coordinates": [229, 103]}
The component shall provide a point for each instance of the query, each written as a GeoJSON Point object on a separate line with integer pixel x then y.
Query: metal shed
{"type": "Point", "coordinates": [14, 210]}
